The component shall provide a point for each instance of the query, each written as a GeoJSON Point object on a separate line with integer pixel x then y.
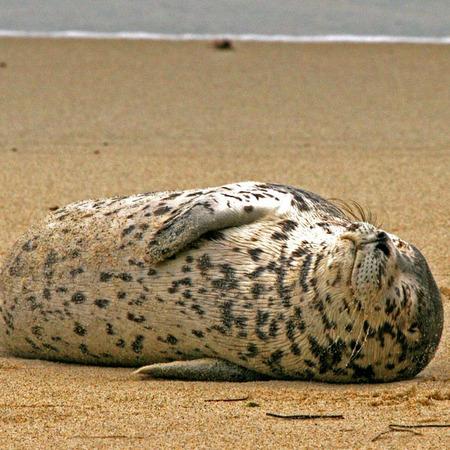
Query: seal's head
{"type": "Point", "coordinates": [401, 311]}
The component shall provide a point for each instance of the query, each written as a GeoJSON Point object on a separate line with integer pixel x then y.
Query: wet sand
{"type": "Point", "coordinates": [88, 119]}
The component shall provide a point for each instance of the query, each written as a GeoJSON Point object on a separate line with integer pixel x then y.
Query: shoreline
{"type": "Point", "coordinates": [245, 37]}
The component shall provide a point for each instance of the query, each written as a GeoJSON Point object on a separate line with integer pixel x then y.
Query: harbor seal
{"type": "Point", "coordinates": [241, 282]}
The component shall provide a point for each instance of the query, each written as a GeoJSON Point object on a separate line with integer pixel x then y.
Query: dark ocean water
{"type": "Point", "coordinates": [307, 18]}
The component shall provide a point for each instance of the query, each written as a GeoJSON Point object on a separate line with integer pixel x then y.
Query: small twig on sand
{"type": "Point", "coordinates": [113, 436]}
{"type": "Point", "coordinates": [392, 429]}
{"type": "Point", "coordinates": [408, 428]}
{"type": "Point", "coordinates": [307, 416]}
{"type": "Point", "coordinates": [241, 399]}
{"type": "Point", "coordinates": [422, 425]}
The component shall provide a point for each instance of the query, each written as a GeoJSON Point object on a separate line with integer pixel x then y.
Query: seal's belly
{"type": "Point", "coordinates": [76, 305]}
{"type": "Point", "coordinates": [90, 297]}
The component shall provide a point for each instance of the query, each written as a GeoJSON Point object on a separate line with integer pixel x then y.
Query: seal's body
{"type": "Point", "coordinates": [240, 282]}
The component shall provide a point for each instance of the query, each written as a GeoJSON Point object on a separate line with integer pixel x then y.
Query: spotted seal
{"type": "Point", "coordinates": [240, 282]}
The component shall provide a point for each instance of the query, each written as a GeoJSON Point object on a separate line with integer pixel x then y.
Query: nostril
{"type": "Point", "coordinates": [382, 236]}
{"type": "Point", "coordinates": [384, 248]}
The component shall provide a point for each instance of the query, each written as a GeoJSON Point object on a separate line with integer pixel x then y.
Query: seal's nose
{"type": "Point", "coordinates": [382, 237]}
{"type": "Point", "coordinates": [382, 243]}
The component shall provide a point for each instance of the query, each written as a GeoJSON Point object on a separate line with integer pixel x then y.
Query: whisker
{"type": "Point", "coordinates": [353, 210]}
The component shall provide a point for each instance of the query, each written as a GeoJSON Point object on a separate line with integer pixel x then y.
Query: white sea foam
{"type": "Point", "coordinates": [235, 37]}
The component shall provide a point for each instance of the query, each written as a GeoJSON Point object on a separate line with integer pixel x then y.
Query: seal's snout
{"type": "Point", "coordinates": [373, 252]}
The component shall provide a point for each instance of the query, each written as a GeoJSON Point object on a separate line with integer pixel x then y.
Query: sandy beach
{"type": "Point", "coordinates": [91, 118]}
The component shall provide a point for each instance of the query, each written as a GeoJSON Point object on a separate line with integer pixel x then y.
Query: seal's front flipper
{"type": "Point", "coordinates": [197, 213]}
{"type": "Point", "coordinates": [207, 369]}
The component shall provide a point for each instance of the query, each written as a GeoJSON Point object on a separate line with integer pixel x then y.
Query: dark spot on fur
{"type": "Point", "coordinates": [78, 298]}
{"type": "Point", "coordinates": [102, 302]}
{"type": "Point", "coordinates": [229, 281]}
{"type": "Point", "coordinates": [37, 331]}
{"type": "Point", "coordinates": [256, 273]}
{"type": "Point", "coordinates": [278, 236]}
{"type": "Point", "coordinates": [257, 290]}
{"type": "Point", "coordinates": [137, 345]}
{"type": "Point", "coordinates": [139, 264]}
{"type": "Point", "coordinates": [198, 309]}
{"type": "Point", "coordinates": [252, 350]}
{"type": "Point", "coordinates": [185, 281]}
{"type": "Point", "coordinates": [241, 321]}
{"type": "Point", "coordinates": [187, 294]}
{"type": "Point", "coordinates": [33, 303]}
{"type": "Point", "coordinates": [365, 373]}
{"type": "Point", "coordinates": [32, 343]}
{"type": "Point", "coordinates": [84, 349]}
{"type": "Point", "coordinates": [300, 251]}
{"type": "Point", "coordinates": [333, 354]}
{"type": "Point", "coordinates": [125, 277]}
{"type": "Point", "coordinates": [172, 340]}
{"type": "Point", "coordinates": [105, 276]}
{"type": "Point", "coordinates": [79, 329]}
{"type": "Point", "coordinates": [174, 288]}
{"type": "Point", "coordinates": [288, 225]}
{"type": "Point", "coordinates": [227, 314]}
{"type": "Point", "coordinates": [273, 328]}
{"type": "Point", "coordinates": [76, 272]}
{"type": "Point", "coordinates": [306, 266]}
{"type": "Point", "coordinates": [128, 230]}
{"type": "Point", "coordinates": [220, 329]}
{"type": "Point", "coordinates": [162, 210]}
{"type": "Point", "coordinates": [52, 258]}
{"type": "Point", "coordinates": [274, 361]}
{"type": "Point", "coordinates": [261, 317]}
{"type": "Point", "coordinates": [290, 329]}
{"type": "Point", "coordinates": [120, 343]}
{"type": "Point", "coordinates": [134, 318]}
{"type": "Point", "coordinates": [254, 253]}
{"type": "Point", "coordinates": [29, 246]}
{"type": "Point", "coordinates": [204, 264]}
{"type": "Point", "coordinates": [295, 349]}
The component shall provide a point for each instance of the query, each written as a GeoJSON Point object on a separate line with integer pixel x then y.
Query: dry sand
{"type": "Point", "coordinates": [84, 119]}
